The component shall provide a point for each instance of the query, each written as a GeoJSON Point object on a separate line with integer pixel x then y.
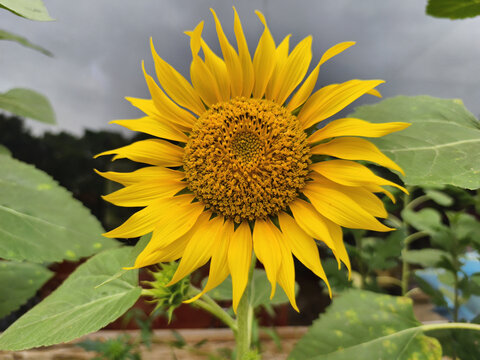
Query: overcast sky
{"type": "Point", "coordinates": [98, 46]}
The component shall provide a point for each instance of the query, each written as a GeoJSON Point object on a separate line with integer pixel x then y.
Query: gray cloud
{"type": "Point", "coordinates": [99, 45]}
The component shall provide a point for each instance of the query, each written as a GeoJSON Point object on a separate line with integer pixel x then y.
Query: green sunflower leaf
{"type": "Point", "coordinates": [459, 344]}
{"type": "Point", "coordinates": [442, 146]}
{"type": "Point", "coordinates": [427, 219]}
{"type": "Point", "coordinates": [6, 35]}
{"type": "Point", "coordinates": [465, 226]}
{"type": "Point", "coordinates": [30, 9]}
{"type": "Point", "coordinates": [5, 151]}
{"type": "Point", "coordinates": [453, 9]}
{"type": "Point", "coordinates": [40, 221]}
{"type": "Point", "coordinates": [135, 251]}
{"type": "Point", "coordinates": [78, 306]}
{"type": "Point", "coordinates": [365, 325]}
{"type": "Point", "coordinates": [426, 257]}
{"type": "Point", "coordinates": [19, 281]}
{"type": "Point", "coordinates": [29, 104]}
{"type": "Point", "coordinates": [439, 197]}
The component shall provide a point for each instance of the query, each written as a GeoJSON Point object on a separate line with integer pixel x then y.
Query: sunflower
{"type": "Point", "coordinates": [238, 164]}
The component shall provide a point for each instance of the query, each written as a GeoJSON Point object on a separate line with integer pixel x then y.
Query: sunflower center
{"type": "Point", "coordinates": [246, 145]}
{"type": "Point", "coordinates": [246, 158]}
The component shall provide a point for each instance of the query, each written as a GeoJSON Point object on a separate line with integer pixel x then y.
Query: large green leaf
{"type": "Point", "coordinates": [6, 35]}
{"type": "Point", "coordinates": [453, 9]}
{"type": "Point", "coordinates": [30, 9]}
{"type": "Point", "coordinates": [459, 344]}
{"type": "Point", "coordinates": [442, 146]}
{"type": "Point", "coordinates": [77, 307]}
{"type": "Point", "coordinates": [365, 325]}
{"type": "Point", "coordinates": [41, 221]}
{"type": "Point", "coordinates": [4, 151]}
{"type": "Point", "coordinates": [19, 282]}
{"type": "Point", "coordinates": [136, 250]}
{"type": "Point", "coordinates": [28, 103]}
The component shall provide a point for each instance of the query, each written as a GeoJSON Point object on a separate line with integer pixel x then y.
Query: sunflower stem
{"type": "Point", "coordinates": [208, 304]}
{"type": "Point", "coordinates": [245, 317]}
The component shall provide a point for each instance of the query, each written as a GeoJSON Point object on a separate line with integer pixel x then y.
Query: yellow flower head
{"type": "Point", "coordinates": [232, 168]}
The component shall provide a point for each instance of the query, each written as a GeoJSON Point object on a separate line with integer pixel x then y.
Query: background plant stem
{"type": "Point", "coordinates": [358, 236]}
{"type": "Point", "coordinates": [456, 304]}
{"type": "Point", "coordinates": [405, 266]}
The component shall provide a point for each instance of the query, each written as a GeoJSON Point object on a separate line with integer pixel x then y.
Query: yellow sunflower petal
{"type": "Point", "coordinates": [303, 246]}
{"type": "Point", "coordinates": [219, 71]}
{"type": "Point", "coordinates": [164, 116]}
{"type": "Point", "coordinates": [174, 250]}
{"type": "Point", "coordinates": [294, 70]}
{"type": "Point", "coordinates": [341, 209]}
{"type": "Point", "coordinates": [232, 60]}
{"type": "Point", "coordinates": [176, 86]}
{"type": "Point", "coordinates": [378, 189]}
{"type": "Point", "coordinates": [145, 192]}
{"type": "Point", "coordinates": [286, 272]}
{"type": "Point", "coordinates": [165, 108]}
{"type": "Point", "coordinates": [174, 224]}
{"type": "Point", "coordinates": [332, 98]}
{"type": "Point", "coordinates": [352, 148]}
{"type": "Point", "coordinates": [267, 249]}
{"type": "Point", "coordinates": [152, 152]}
{"type": "Point", "coordinates": [374, 92]}
{"type": "Point", "coordinates": [239, 259]}
{"type": "Point", "coordinates": [367, 200]}
{"type": "Point", "coordinates": [302, 94]}
{"type": "Point", "coordinates": [351, 173]}
{"type": "Point", "coordinates": [281, 56]}
{"type": "Point", "coordinates": [245, 58]}
{"type": "Point", "coordinates": [219, 264]}
{"type": "Point", "coordinates": [337, 236]}
{"type": "Point", "coordinates": [145, 220]}
{"type": "Point", "coordinates": [306, 89]}
{"type": "Point", "coordinates": [145, 105]}
{"type": "Point", "coordinates": [153, 127]}
{"type": "Point", "coordinates": [144, 174]}
{"type": "Point", "coordinates": [195, 38]}
{"type": "Point", "coordinates": [199, 249]}
{"type": "Point", "coordinates": [311, 222]}
{"type": "Point", "coordinates": [355, 127]}
{"type": "Point", "coordinates": [202, 79]}
{"type": "Point", "coordinates": [335, 50]}
{"type": "Point", "coordinates": [317, 226]}
{"type": "Point", "coordinates": [361, 195]}
{"type": "Point", "coordinates": [263, 60]}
